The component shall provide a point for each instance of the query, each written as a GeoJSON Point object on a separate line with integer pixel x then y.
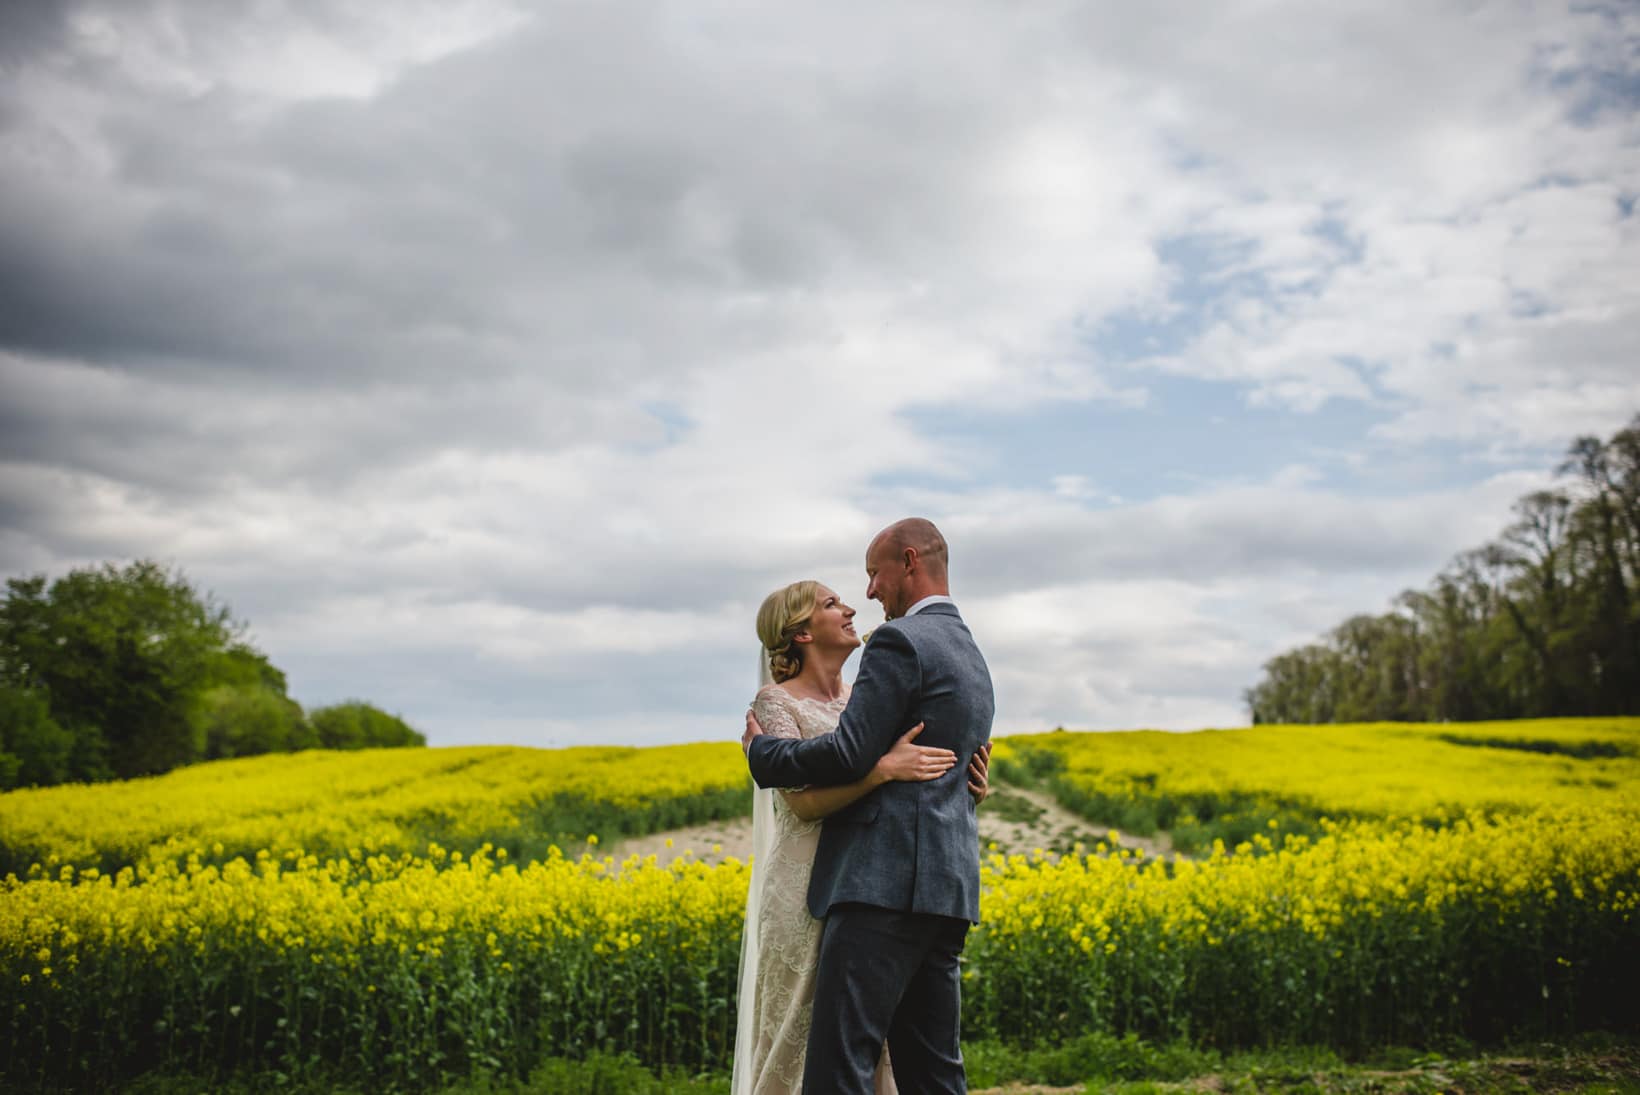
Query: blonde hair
{"type": "Point", "coordinates": [785, 612]}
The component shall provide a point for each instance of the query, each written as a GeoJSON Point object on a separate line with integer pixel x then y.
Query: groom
{"type": "Point", "coordinates": [896, 875]}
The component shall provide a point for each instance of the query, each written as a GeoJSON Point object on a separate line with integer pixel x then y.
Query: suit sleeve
{"type": "Point", "coordinates": [774, 716]}
{"type": "Point", "coordinates": [877, 713]}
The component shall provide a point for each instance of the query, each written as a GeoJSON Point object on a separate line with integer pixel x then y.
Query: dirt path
{"type": "Point", "coordinates": [711, 842]}
{"type": "Point", "coordinates": [1016, 820]}
{"type": "Point", "coordinates": [1019, 820]}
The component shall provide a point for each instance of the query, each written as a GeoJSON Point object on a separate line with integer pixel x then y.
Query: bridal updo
{"type": "Point", "coordinates": [785, 612]}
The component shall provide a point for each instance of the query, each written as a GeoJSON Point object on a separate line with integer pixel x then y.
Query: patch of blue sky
{"type": "Point", "coordinates": [1595, 93]}
{"type": "Point", "coordinates": [1602, 94]}
{"type": "Point", "coordinates": [1189, 435]}
{"type": "Point", "coordinates": [674, 424]}
{"type": "Point", "coordinates": [1208, 270]}
{"type": "Point", "coordinates": [1211, 273]}
{"type": "Point", "coordinates": [1193, 435]}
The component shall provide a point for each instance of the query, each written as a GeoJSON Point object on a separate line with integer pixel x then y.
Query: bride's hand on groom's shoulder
{"type": "Point", "coordinates": [753, 729]}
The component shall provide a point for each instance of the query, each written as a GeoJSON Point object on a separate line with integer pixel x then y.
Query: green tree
{"type": "Point", "coordinates": [121, 657]}
{"type": "Point", "coordinates": [1544, 621]}
{"type": "Point", "coordinates": [1298, 687]}
{"type": "Point", "coordinates": [244, 720]}
{"type": "Point", "coordinates": [1603, 538]}
{"type": "Point", "coordinates": [247, 711]}
{"type": "Point", "coordinates": [126, 671]}
{"type": "Point", "coordinates": [358, 725]}
{"type": "Point", "coordinates": [34, 750]}
{"type": "Point", "coordinates": [120, 650]}
{"type": "Point", "coordinates": [1541, 605]}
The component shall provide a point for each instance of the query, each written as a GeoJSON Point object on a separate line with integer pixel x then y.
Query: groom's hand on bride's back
{"type": "Point", "coordinates": [909, 763]}
{"type": "Point", "coordinates": [753, 729]}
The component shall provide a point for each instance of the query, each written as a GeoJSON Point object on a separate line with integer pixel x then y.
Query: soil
{"type": "Point", "coordinates": [1015, 820]}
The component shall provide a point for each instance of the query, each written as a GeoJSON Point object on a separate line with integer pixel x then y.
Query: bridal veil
{"type": "Point", "coordinates": [762, 839]}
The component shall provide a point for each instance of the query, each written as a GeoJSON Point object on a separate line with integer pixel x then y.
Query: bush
{"type": "Point", "coordinates": [358, 725]}
{"type": "Point", "coordinates": [245, 720]}
{"type": "Point", "coordinates": [34, 750]}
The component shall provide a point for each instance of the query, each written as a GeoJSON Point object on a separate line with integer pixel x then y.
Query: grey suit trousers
{"type": "Point", "coordinates": [887, 975]}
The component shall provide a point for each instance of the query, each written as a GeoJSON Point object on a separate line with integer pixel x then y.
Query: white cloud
{"type": "Point", "coordinates": [280, 51]}
{"type": "Point", "coordinates": [486, 362]}
{"type": "Point", "coordinates": [1424, 228]}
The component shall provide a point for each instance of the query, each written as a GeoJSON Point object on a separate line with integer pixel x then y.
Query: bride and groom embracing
{"type": "Point", "coordinates": [849, 978]}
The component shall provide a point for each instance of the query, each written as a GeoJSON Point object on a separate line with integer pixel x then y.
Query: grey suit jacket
{"type": "Point", "coordinates": [912, 847]}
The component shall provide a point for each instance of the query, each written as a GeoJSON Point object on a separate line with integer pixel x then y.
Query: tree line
{"type": "Point", "coordinates": [113, 672]}
{"type": "Point", "coordinates": [1544, 621]}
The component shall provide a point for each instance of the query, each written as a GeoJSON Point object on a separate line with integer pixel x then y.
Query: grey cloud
{"type": "Point", "coordinates": [396, 345]}
{"type": "Point", "coordinates": [496, 248]}
{"type": "Point", "coordinates": [503, 191]}
{"type": "Point", "coordinates": [188, 440]}
{"type": "Point", "coordinates": [1229, 534]}
{"type": "Point", "coordinates": [28, 27]}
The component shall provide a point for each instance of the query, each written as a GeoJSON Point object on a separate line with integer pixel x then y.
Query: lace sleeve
{"type": "Point", "coordinates": [775, 716]}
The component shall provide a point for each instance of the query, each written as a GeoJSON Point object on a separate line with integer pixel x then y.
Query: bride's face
{"type": "Point", "coordinates": [832, 624]}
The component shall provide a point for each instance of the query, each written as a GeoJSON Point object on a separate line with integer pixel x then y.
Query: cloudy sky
{"type": "Point", "coordinates": [494, 360]}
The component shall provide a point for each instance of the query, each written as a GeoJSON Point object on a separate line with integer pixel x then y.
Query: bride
{"type": "Point", "coordinates": [807, 633]}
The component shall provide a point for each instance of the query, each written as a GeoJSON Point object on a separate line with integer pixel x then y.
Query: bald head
{"type": "Point", "coordinates": [919, 535]}
{"type": "Point", "coordinates": [906, 562]}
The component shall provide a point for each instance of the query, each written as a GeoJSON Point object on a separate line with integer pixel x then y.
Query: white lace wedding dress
{"type": "Point", "coordinates": [780, 950]}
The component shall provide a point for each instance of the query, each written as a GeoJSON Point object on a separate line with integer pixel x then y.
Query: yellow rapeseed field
{"type": "Point", "coordinates": [1371, 932]}
{"type": "Point", "coordinates": [1230, 783]}
{"type": "Point", "coordinates": [396, 968]}
{"type": "Point", "coordinates": [379, 800]}
{"type": "Point", "coordinates": [1398, 886]}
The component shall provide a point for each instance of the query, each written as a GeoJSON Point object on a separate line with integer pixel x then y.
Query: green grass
{"type": "Point", "coordinates": [596, 1075]}
{"type": "Point", "coordinates": [1102, 1064]}
{"type": "Point", "coordinates": [1092, 1057]}
{"type": "Point", "coordinates": [1014, 807]}
{"type": "Point", "coordinates": [1590, 1064]}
